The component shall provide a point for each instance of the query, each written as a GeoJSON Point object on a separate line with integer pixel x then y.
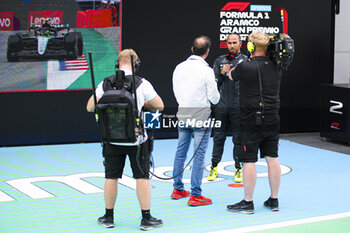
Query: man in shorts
{"type": "Point", "coordinates": [259, 121]}
{"type": "Point", "coordinates": [115, 153]}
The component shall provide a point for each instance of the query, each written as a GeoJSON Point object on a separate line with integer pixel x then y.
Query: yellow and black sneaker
{"type": "Point", "coordinates": [238, 175]}
{"type": "Point", "coordinates": [213, 174]}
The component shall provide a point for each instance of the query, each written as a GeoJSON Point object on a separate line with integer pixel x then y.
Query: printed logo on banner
{"type": "Point", "coordinates": [338, 115]}
{"type": "Point", "coordinates": [261, 8]}
{"type": "Point", "coordinates": [243, 18]}
{"type": "Point", "coordinates": [152, 120]}
{"type": "Point", "coordinates": [241, 6]}
{"type": "Point", "coordinates": [6, 20]}
{"type": "Point", "coordinates": [37, 17]}
{"type": "Point", "coordinates": [335, 125]}
{"type": "Point", "coordinates": [336, 107]}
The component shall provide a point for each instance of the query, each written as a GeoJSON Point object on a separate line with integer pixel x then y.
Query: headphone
{"type": "Point", "coordinates": [137, 64]}
{"type": "Point", "coordinates": [250, 46]}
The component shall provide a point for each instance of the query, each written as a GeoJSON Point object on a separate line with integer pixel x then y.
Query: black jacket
{"type": "Point", "coordinates": [229, 90]}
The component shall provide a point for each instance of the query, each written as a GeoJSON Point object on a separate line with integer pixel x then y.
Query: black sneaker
{"type": "Point", "coordinates": [106, 221]}
{"type": "Point", "coordinates": [272, 204]}
{"type": "Point", "coordinates": [149, 224]}
{"type": "Point", "coordinates": [243, 207]}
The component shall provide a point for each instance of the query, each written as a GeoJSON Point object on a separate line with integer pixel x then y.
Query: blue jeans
{"type": "Point", "coordinates": [184, 141]}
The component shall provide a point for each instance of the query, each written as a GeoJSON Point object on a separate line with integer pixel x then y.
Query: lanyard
{"type": "Point", "coordinates": [261, 104]}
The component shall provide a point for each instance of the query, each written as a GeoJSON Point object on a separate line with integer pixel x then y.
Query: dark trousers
{"type": "Point", "coordinates": [229, 118]}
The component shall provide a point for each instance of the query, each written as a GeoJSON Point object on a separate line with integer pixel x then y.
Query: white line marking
{"type": "Point", "coordinates": [4, 197]}
{"type": "Point", "coordinates": [286, 224]}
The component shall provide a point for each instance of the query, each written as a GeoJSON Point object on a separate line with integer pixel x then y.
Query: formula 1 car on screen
{"type": "Point", "coordinates": [45, 41]}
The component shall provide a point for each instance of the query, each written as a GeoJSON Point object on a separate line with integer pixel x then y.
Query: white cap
{"type": "Point", "coordinates": [104, 1]}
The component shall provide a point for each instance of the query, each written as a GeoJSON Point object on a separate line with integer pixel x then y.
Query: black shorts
{"type": "Point", "coordinates": [115, 160]}
{"type": "Point", "coordinates": [250, 140]}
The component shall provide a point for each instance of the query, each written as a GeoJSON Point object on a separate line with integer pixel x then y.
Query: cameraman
{"type": "Point", "coordinates": [259, 126]}
{"type": "Point", "coordinates": [115, 154]}
{"type": "Point", "coordinates": [227, 110]}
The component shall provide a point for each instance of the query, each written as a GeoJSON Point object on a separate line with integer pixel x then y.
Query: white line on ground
{"type": "Point", "coordinates": [286, 224]}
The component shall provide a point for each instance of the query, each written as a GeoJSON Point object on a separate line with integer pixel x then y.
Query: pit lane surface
{"type": "Point", "coordinates": [59, 188]}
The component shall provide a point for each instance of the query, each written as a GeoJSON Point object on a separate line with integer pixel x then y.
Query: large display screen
{"type": "Point", "coordinates": [34, 57]}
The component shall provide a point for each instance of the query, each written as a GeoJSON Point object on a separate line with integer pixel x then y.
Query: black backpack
{"type": "Point", "coordinates": [116, 109]}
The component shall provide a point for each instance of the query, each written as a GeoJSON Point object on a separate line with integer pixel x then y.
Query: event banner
{"type": "Point", "coordinates": [6, 20]}
{"type": "Point", "coordinates": [243, 18]}
{"type": "Point", "coordinates": [37, 17]}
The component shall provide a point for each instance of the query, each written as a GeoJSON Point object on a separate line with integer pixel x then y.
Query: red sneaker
{"type": "Point", "coordinates": [179, 194]}
{"type": "Point", "coordinates": [197, 201]}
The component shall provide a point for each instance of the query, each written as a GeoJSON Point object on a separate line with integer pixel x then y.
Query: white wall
{"type": "Point", "coordinates": [342, 44]}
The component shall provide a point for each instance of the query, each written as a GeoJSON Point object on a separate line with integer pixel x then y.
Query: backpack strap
{"type": "Point", "coordinates": [110, 83]}
{"type": "Point", "coordinates": [128, 81]}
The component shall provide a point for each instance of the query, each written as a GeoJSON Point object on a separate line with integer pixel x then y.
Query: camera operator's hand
{"type": "Point", "coordinates": [225, 69]}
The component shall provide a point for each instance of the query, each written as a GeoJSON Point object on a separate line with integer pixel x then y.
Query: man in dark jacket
{"type": "Point", "coordinates": [227, 110]}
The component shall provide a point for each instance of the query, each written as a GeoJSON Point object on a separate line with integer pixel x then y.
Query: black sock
{"type": "Point", "coordinates": [109, 212]}
{"type": "Point", "coordinates": [214, 165]}
{"type": "Point", "coordinates": [274, 199]}
{"type": "Point", "coordinates": [146, 214]}
{"type": "Point", "coordinates": [247, 202]}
